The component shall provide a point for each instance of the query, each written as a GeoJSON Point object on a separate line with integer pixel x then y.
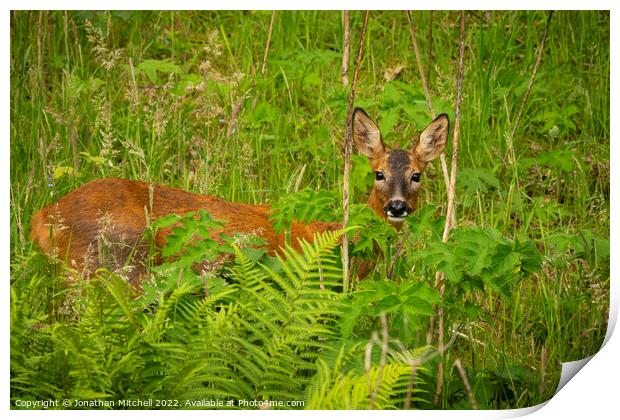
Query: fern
{"type": "Point", "coordinates": [260, 334]}
{"type": "Point", "coordinates": [381, 387]}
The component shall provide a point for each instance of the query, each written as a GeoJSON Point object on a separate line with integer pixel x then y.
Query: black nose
{"type": "Point", "coordinates": [396, 208]}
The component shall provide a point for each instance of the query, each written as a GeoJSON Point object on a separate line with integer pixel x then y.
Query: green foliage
{"type": "Point", "coordinates": [473, 182]}
{"type": "Point", "coordinates": [181, 98]}
{"type": "Point", "coordinates": [584, 245]}
{"type": "Point", "coordinates": [303, 206]}
{"type": "Point", "coordinates": [359, 391]}
{"type": "Point", "coordinates": [362, 177]}
{"type": "Point", "coordinates": [409, 306]}
{"type": "Point", "coordinates": [479, 257]}
{"type": "Point", "coordinates": [151, 67]}
{"type": "Point", "coordinates": [256, 338]}
{"type": "Point", "coordinates": [374, 235]}
{"type": "Point", "coordinates": [560, 160]}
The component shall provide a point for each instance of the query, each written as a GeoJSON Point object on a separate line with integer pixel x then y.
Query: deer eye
{"type": "Point", "coordinates": [416, 177]}
{"type": "Point", "coordinates": [379, 176]}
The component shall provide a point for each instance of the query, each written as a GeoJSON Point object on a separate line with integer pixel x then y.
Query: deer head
{"type": "Point", "coordinates": [398, 172]}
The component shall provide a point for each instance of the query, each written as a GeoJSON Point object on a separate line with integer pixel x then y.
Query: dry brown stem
{"type": "Point", "coordinates": [266, 55]}
{"type": "Point", "coordinates": [509, 140]}
{"type": "Point", "coordinates": [466, 384]}
{"type": "Point", "coordinates": [346, 48]}
{"type": "Point", "coordinates": [451, 195]}
{"type": "Point", "coordinates": [348, 147]}
{"type": "Point", "coordinates": [384, 350]}
{"type": "Point", "coordinates": [427, 93]}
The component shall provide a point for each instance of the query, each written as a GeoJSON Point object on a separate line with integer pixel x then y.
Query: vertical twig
{"type": "Point", "coordinates": [134, 85]}
{"type": "Point", "coordinates": [266, 55]}
{"type": "Point", "coordinates": [382, 360]}
{"type": "Point", "coordinates": [40, 41]}
{"type": "Point", "coordinates": [511, 152]}
{"type": "Point", "coordinates": [232, 122]}
{"type": "Point", "coordinates": [399, 249]}
{"type": "Point", "coordinates": [18, 220]}
{"type": "Point", "coordinates": [442, 157]}
{"type": "Point", "coordinates": [463, 375]}
{"type": "Point", "coordinates": [451, 194]}
{"type": "Point", "coordinates": [66, 34]}
{"type": "Point", "coordinates": [418, 60]}
{"type": "Point", "coordinates": [427, 93]}
{"type": "Point", "coordinates": [430, 48]}
{"type": "Point", "coordinates": [348, 146]}
{"type": "Point", "coordinates": [74, 145]}
{"type": "Point", "coordinates": [346, 47]}
{"type": "Point", "coordinates": [410, 384]}
{"type": "Point", "coordinates": [429, 104]}
{"type": "Point", "coordinates": [543, 370]}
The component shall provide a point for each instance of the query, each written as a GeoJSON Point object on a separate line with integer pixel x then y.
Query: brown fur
{"type": "Point", "coordinates": [72, 228]}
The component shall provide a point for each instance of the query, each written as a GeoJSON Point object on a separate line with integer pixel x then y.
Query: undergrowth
{"type": "Point", "coordinates": [179, 98]}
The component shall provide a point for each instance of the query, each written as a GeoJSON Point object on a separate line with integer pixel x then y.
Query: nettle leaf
{"type": "Point", "coordinates": [476, 249]}
{"type": "Point", "coordinates": [263, 113]}
{"type": "Point", "coordinates": [406, 304]}
{"type": "Point", "coordinates": [424, 220]}
{"type": "Point", "coordinates": [531, 258]}
{"type": "Point", "coordinates": [586, 245]}
{"type": "Point", "coordinates": [166, 221]}
{"type": "Point", "coordinates": [415, 305]}
{"type": "Point", "coordinates": [375, 231]}
{"type": "Point", "coordinates": [391, 96]}
{"type": "Point", "coordinates": [349, 318]}
{"type": "Point", "coordinates": [76, 86]}
{"type": "Point", "coordinates": [388, 305]}
{"type": "Point", "coordinates": [389, 119]}
{"type": "Point", "coordinates": [421, 290]}
{"type": "Point", "coordinates": [506, 261]}
{"type": "Point", "coordinates": [442, 256]}
{"type": "Point", "coordinates": [190, 239]}
{"type": "Point", "coordinates": [253, 254]}
{"type": "Point", "coordinates": [474, 257]}
{"type": "Point", "coordinates": [546, 208]}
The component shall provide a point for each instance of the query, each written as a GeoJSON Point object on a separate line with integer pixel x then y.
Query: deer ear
{"type": "Point", "coordinates": [433, 139]}
{"type": "Point", "coordinates": [366, 135]}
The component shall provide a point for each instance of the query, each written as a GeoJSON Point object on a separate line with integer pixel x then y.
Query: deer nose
{"type": "Point", "coordinates": [397, 208]}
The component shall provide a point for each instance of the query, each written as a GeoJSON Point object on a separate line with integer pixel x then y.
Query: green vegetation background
{"type": "Point", "coordinates": [181, 98]}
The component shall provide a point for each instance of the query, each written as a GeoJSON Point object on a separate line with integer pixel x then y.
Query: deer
{"type": "Point", "coordinates": [119, 210]}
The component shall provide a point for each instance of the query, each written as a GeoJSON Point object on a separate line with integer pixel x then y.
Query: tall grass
{"type": "Point", "coordinates": [179, 98]}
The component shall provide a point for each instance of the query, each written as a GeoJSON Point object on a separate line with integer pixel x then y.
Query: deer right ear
{"type": "Point", "coordinates": [433, 139]}
{"type": "Point", "coordinates": [366, 135]}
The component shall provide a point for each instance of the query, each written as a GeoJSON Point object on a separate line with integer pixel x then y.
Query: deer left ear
{"type": "Point", "coordinates": [366, 135]}
{"type": "Point", "coordinates": [433, 139]}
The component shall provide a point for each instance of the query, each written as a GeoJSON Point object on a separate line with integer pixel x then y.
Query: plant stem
{"type": "Point", "coordinates": [451, 195]}
{"type": "Point", "coordinates": [430, 48]}
{"type": "Point", "coordinates": [266, 55]}
{"type": "Point", "coordinates": [346, 48]}
{"type": "Point", "coordinates": [466, 384]}
{"type": "Point", "coordinates": [427, 94]}
{"type": "Point", "coordinates": [348, 146]}
{"type": "Point", "coordinates": [382, 360]}
{"type": "Point", "coordinates": [511, 152]}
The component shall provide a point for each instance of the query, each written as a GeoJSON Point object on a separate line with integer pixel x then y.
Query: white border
{"type": "Point", "coordinates": [593, 393]}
